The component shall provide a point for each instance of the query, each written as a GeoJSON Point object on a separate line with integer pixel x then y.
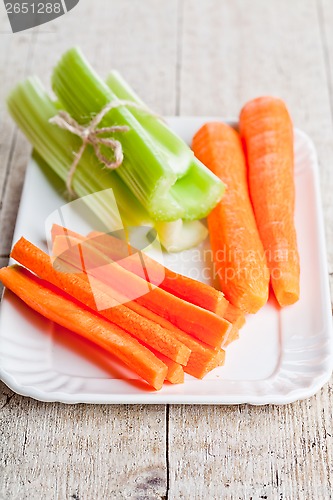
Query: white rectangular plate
{"type": "Point", "coordinates": [281, 356]}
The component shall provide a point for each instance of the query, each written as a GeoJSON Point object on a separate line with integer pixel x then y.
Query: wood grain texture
{"type": "Point", "coordinates": [272, 452]}
{"type": "Point", "coordinates": [80, 451]}
{"type": "Point", "coordinates": [12, 68]}
{"type": "Point", "coordinates": [190, 57]}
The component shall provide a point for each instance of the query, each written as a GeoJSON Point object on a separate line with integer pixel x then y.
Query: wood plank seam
{"type": "Point", "coordinates": [14, 139]}
{"type": "Point", "coordinates": [324, 45]}
{"type": "Point", "coordinates": [167, 451]}
{"type": "Point", "coordinates": [180, 27]}
{"type": "Point", "coordinates": [179, 53]}
{"type": "Point", "coordinates": [9, 162]}
{"type": "Point", "coordinates": [328, 75]}
{"type": "Point", "coordinates": [15, 142]}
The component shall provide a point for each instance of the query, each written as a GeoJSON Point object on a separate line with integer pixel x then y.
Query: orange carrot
{"type": "Point", "coordinates": [267, 131]}
{"type": "Point", "coordinates": [234, 316]}
{"type": "Point", "coordinates": [193, 319]}
{"type": "Point", "coordinates": [77, 286]}
{"type": "Point", "coordinates": [38, 295]}
{"type": "Point", "coordinates": [188, 289]}
{"type": "Point", "coordinates": [233, 335]}
{"type": "Point", "coordinates": [238, 252]}
{"type": "Point", "coordinates": [175, 373]}
{"type": "Point", "coordinates": [181, 286]}
{"type": "Point", "coordinates": [203, 358]}
{"type": "Point", "coordinates": [57, 230]}
{"type": "Point", "coordinates": [118, 249]}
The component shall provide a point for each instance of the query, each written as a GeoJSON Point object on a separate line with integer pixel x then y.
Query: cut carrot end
{"type": "Point", "coordinates": [286, 298]}
{"type": "Point", "coordinates": [200, 370]}
{"type": "Point", "coordinates": [233, 335]}
{"type": "Point", "coordinates": [235, 316]}
{"type": "Point", "coordinates": [175, 374]}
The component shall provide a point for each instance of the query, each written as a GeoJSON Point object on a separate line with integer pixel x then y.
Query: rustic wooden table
{"type": "Point", "coordinates": [184, 57]}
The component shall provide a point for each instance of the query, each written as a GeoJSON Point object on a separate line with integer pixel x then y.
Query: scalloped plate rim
{"type": "Point", "coordinates": [273, 396]}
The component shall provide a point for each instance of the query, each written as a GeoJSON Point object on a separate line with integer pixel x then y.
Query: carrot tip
{"type": "Point", "coordinates": [286, 298]}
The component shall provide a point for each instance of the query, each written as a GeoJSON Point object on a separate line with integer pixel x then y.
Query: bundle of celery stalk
{"type": "Point", "coordinates": [159, 183]}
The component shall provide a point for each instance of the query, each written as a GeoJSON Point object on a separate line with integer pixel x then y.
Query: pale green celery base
{"type": "Point", "coordinates": [181, 235]}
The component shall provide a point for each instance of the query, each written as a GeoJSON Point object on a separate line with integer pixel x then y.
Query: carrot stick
{"type": "Point", "coordinates": [185, 288]}
{"type": "Point", "coordinates": [175, 373]}
{"type": "Point", "coordinates": [237, 319]}
{"type": "Point", "coordinates": [193, 319]}
{"type": "Point", "coordinates": [233, 335]}
{"type": "Point", "coordinates": [203, 358]}
{"type": "Point", "coordinates": [188, 289]}
{"type": "Point", "coordinates": [267, 131]}
{"type": "Point", "coordinates": [238, 252]}
{"type": "Point", "coordinates": [234, 316]}
{"type": "Point", "coordinates": [57, 230]}
{"type": "Point", "coordinates": [37, 294]}
{"type": "Point", "coordinates": [118, 249]}
{"type": "Point", "coordinates": [77, 286]}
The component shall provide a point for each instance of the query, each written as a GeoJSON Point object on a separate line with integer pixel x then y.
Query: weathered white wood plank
{"type": "Point", "coordinates": [58, 451]}
{"type": "Point", "coordinates": [80, 451]}
{"type": "Point", "coordinates": [248, 452]}
{"type": "Point", "coordinates": [11, 69]}
{"type": "Point", "coordinates": [12, 193]}
{"type": "Point", "coordinates": [137, 38]}
{"type": "Point", "coordinates": [231, 52]}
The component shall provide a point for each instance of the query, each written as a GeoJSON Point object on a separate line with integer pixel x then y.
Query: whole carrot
{"type": "Point", "coordinates": [267, 131]}
{"type": "Point", "coordinates": [238, 252]}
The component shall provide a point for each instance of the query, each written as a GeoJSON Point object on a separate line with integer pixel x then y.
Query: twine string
{"type": "Point", "coordinates": [90, 134]}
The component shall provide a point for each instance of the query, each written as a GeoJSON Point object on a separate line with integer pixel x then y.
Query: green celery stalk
{"type": "Point", "coordinates": [177, 235]}
{"type": "Point", "coordinates": [167, 188]}
{"type": "Point", "coordinates": [159, 131]}
{"type": "Point", "coordinates": [31, 108]}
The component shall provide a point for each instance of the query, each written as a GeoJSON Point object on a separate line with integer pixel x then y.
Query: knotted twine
{"type": "Point", "coordinates": [90, 134]}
